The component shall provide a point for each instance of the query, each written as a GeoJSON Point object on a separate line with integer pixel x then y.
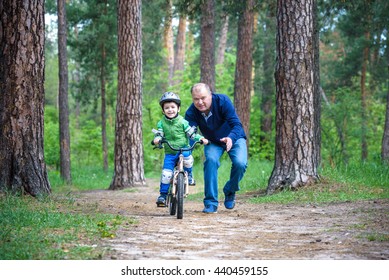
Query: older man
{"type": "Point", "coordinates": [216, 117]}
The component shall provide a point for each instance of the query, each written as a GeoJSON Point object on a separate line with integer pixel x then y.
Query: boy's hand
{"type": "Point", "coordinates": [156, 141]}
{"type": "Point", "coordinates": [205, 141]}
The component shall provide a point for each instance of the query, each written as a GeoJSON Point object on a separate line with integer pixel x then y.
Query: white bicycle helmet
{"type": "Point", "coordinates": [170, 97]}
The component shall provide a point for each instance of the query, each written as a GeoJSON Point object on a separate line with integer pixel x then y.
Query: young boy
{"type": "Point", "coordinates": [177, 132]}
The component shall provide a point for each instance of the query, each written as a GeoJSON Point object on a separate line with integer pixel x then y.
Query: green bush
{"type": "Point", "coordinates": [51, 141]}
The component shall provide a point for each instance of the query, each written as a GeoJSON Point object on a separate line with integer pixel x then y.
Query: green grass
{"type": "Point", "coordinates": [365, 173]}
{"type": "Point", "coordinates": [255, 179]}
{"type": "Point", "coordinates": [83, 178]}
{"type": "Point", "coordinates": [346, 183]}
{"type": "Point", "coordinates": [53, 228]}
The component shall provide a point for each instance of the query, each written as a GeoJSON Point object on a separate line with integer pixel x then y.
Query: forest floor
{"type": "Point", "coordinates": [342, 230]}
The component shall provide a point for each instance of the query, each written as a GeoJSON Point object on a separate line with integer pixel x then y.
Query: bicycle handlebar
{"type": "Point", "coordinates": [163, 140]}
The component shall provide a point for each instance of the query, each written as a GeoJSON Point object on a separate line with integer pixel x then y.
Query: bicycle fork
{"type": "Point", "coordinates": [180, 169]}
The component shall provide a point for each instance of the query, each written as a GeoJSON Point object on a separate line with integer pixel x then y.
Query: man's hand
{"type": "Point", "coordinates": [228, 142]}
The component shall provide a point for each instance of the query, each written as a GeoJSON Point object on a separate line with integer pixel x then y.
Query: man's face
{"type": "Point", "coordinates": [202, 100]}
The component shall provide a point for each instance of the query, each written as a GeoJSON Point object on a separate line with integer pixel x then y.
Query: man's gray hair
{"type": "Point", "coordinates": [200, 86]}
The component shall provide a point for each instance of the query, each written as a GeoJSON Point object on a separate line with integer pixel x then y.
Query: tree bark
{"type": "Point", "coordinates": [268, 90]}
{"type": "Point", "coordinates": [129, 170]}
{"type": "Point", "coordinates": [168, 41]}
{"type": "Point", "coordinates": [179, 58]}
{"type": "Point", "coordinates": [316, 89]}
{"type": "Point", "coordinates": [223, 40]}
{"type": "Point", "coordinates": [297, 122]}
{"type": "Point", "coordinates": [103, 100]}
{"type": "Point", "coordinates": [22, 165]}
{"type": "Point", "coordinates": [64, 134]}
{"type": "Point", "coordinates": [103, 109]}
{"type": "Point", "coordinates": [364, 148]}
{"type": "Point", "coordinates": [385, 138]}
{"type": "Point", "coordinates": [207, 52]}
{"type": "Point", "coordinates": [243, 70]}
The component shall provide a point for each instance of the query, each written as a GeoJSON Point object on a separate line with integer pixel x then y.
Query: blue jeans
{"type": "Point", "coordinates": [169, 163]}
{"type": "Point", "coordinates": [213, 152]}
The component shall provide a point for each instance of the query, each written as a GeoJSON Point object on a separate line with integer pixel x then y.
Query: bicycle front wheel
{"type": "Point", "coordinates": [180, 195]}
{"type": "Point", "coordinates": [172, 202]}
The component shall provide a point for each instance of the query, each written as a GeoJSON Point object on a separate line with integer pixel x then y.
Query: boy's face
{"type": "Point", "coordinates": [170, 109]}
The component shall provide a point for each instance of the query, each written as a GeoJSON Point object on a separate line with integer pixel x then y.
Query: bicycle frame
{"type": "Point", "coordinates": [178, 189]}
{"type": "Point", "coordinates": [179, 167]}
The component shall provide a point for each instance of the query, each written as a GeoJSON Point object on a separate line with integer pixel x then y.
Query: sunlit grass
{"type": "Point", "coordinates": [53, 228]}
{"type": "Point", "coordinates": [347, 183]}
{"type": "Point", "coordinates": [83, 178]}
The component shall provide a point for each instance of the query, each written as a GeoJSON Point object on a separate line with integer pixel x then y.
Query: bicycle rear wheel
{"type": "Point", "coordinates": [180, 195]}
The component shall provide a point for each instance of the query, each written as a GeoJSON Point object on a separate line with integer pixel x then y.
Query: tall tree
{"type": "Point", "coordinates": [179, 56]}
{"type": "Point", "coordinates": [223, 39]}
{"type": "Point", "coordinates": [243, 70]}
{"type": "Point", "coordinates": [297, 122]}
{"type": "Point", "coordinates": [207, 52]}
{"type": "Point", "coordinates": [22, 165]}
{"type": "Point", "coordinates": [365, 60]}
{"type": "Point", "coordinates": [64, 135]}
{"type": "Point", "coordinates": [168, 40]}
{"type": "Point", "coordinates": [362, 27]}
{"type": "Point", "coordinates": [268, 90]}
{"type": "Point", "coordinates": [103, 66]}
{"type": "Point", "coordinates": [94, 62]}
{"type": "Point", "coordinates": [316, 157]}
{"type": "Point", "coordinates": [129, 169]}
{"type": "Point", "coordinates": [385, 137]}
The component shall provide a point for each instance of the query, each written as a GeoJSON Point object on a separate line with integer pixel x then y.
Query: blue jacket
{"type": "Point", "coordinates": [222, 122]}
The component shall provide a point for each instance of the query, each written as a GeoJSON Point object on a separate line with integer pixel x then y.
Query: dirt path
{"type": "Point", "coordinates": [350, 230]}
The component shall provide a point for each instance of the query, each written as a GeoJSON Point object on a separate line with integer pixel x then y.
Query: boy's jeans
{"type": "Point", "coordinates": [213, 152]}
{"type": "Point", "coordinates": [168, 164]}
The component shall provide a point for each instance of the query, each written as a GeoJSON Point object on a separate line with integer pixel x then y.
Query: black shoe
{"type": "Point", "coordinates": [191, 181]}
{"type": "Point", "coordinates": [161, 201]}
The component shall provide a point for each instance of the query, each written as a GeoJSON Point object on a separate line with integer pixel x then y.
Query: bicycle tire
{"type": "Point", "coordinates": [180, 195]}
{"type": "Point", "coordinates": [172, 204]}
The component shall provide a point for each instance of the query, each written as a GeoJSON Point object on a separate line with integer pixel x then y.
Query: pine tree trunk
{"type": "Point", "coordinates": [207, 53]}
{"type": "Point", "coordinates": [385, 138]}
{"type": "Point", "coordinates": [179, 58]}
{"type": "Point", "coordinates": [168, 41]}
{"type": "Point", "coordinates": [76, 80]}
{"type": "Point", "coordinates": [22, 166]}
{"type": "Point", "coordinates": [129, 170]}
{"type": "Point", "coordinates": [268, 91]}
{"type": "Point", "coordinates": [103, 110]}
{"type": "Point", "coordinates": [103, 100]}
{"type": "Point", "coordinates": [243, 70]}
{"type": "Point", "coordinates": [64, 134]}
{"type": "Point", "coordinates": [316, 88]}
{"type": "Point", "coordinates": [297, 122]}
{"type": "Point", "coordinates": [223, 40]}
{"type": "Point", "coordinates": [364, 147]}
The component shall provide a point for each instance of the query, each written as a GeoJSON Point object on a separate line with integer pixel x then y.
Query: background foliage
{"type": "Point", "coordinates": [342, 29]}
